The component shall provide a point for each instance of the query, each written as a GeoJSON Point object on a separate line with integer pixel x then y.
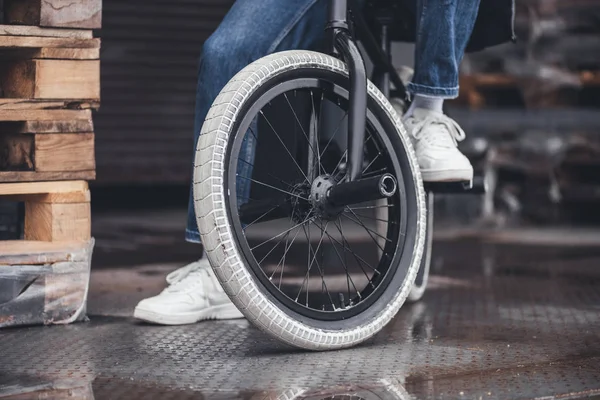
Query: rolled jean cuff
{"type": "Point", "coordinates": [192, 236]}
{"type": "Point", "coordinates": [431, 91]}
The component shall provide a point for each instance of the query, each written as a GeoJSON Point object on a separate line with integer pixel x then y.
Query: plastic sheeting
{"type": "Point", "coordinates": [45, 286]}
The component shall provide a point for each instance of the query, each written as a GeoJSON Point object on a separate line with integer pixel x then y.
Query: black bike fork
{"type": "Point", "coordinates": [341, 41]}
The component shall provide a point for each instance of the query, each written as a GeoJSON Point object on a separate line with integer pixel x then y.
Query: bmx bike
{"type": "Point", "coordinates": [321, 248]}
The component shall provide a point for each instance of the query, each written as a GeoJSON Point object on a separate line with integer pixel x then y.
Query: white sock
{"type": "Point", "coordinates": [428, 103]}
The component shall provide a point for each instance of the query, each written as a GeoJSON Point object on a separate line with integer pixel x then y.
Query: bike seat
{"type": "Point", "coordinates": [477, 186]}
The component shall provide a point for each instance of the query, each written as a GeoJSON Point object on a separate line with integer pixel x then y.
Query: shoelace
{"type": "Point", "coordinates": [455, 131]}
{"type": "Point", "coordinates": [177, 278]}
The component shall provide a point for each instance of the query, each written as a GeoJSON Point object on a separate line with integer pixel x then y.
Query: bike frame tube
{"type": "Point", "coordinates": [344, 44]}
{"type": "Point", "coordinates": [380, 55]}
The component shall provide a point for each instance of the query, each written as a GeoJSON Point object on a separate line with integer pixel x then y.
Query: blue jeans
{"type": "Point", "coordinates": [255, 28]}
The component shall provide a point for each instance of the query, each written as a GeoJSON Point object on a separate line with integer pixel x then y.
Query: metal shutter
{"type": "Point", "coordinates": [149, 58]}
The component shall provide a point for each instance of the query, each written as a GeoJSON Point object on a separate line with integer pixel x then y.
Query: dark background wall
{"type": "Point", "coordinates": [150, 51]}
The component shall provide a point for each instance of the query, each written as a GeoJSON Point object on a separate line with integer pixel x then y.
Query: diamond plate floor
{"type": "Point", "coordinates": [499, 322]}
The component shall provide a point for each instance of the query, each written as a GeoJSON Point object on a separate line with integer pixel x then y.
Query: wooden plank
{"type": "Point", "coordinates": [16, 30]}
{"type": "Point", "coordinates": [68, 54]}
{"type": "Point", "coordinates": [47, 42]}
{"type": "Point", "coordinates": [58, 13]}
{"type": "Point", "coordinates": [73, 126]}
{"type": "Point", "coordinates": [51, 79]}
{"type": "Point", "coordinates": [57, 222]}
{"type": "Point", "coordinates": [14, 105]}
{"type": "Point", "coordinates": [49, 53]}
{"type": "Point", "coordinates": [32, 110]}
{"type": "Point", "coordinates": [67, 79]}
{"type": "Point", "coordinates": [59, 152]}
{"type": "Point", "coordinates": [25, 252]}
{"type": "Point", "coordinates": [65, 219]}
{"type": "Point", "coordinates": [70, 197]}
{"type": "Point", "coordinates": [31, 176]}
{"type": "Point", "coordinates": [47, 152]}
{"type": "Point", "coordinates": [43, 187]}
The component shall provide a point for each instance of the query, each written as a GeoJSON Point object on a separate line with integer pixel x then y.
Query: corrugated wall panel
{"type": "Point", "coordinates": [149, 58]}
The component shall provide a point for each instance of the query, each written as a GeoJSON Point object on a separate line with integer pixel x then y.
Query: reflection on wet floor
{"type": "Point", "coordinates": [500, 321]}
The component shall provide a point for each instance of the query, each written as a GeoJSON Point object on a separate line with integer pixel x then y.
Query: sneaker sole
{"type": "Point", "coordinates": [447, 175]}
{"type": "Point", "coordinates": [227, 311]}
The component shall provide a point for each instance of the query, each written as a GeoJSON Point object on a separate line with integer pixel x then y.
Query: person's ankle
{"type": "Point", "coordinates": [435, 104]}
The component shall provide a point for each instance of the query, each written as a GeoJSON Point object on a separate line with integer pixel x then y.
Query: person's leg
{"type": "Point", "coordinates": [443, 31]}
{"type": "Point", "coordinates": [251, 30]}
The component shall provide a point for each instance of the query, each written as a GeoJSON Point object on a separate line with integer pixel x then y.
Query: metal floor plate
{"type": "Point", "coordinates": [498, 322]}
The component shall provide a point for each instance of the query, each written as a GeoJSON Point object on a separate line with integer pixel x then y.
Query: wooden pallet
{"type": "Point", "coordinates": [49, 83]}
{"type": "Point", "coordinates": [485, 90]}
{"type": "Point", "coordinates": [54, 211]}
{"type": "Point", "coordinates": [53, 64]}
{"type": "Point", "coordinates": [46, 275]}
{"type": "Point", "coordinates": [47, 150]}
{"type": "Point", "coordinates": [48, 74]}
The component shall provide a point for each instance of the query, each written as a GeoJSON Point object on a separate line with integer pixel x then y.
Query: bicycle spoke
{"type": "Point", "coordinates": [375, 219]}
{"type": "Point", "coordinates": [282, 259]}
{"type": "Point", "coordinates": [310, 264]}
{"type": "Point", "coordinates": [368, 207]}
{"type": "Point", "coordinates": [308, 270]}
{"type": "Point", "coordinates": [360, 223]}
{"type": "Point", "coordinates": [276, 236]}
{"type": "Point", "coordinates": [322, 269]}
{"type": "Point", "coordinates": [334, 173]}
{"type": "Point", "coordinates": [298, 121]}
{"type": "Point", "coordinates": [374, 173]}
{"type": "Point", "coordinates": [285, 147]}
{"type": "Point", "coordinates": [252, 223]}
{"type": "Point", "coordinates": [369, 233]}
{"type": "Point", "coordinates": [348, 277]}
{"type": "Point", "coordinates": [313, 261]}
{"type": "Point", "coordinates": [371, 163]}
{"type": "Point", "coordinates": [334, 134]}
{"type": "Point", "coordinates": [268, 173]}
{"type": "Point", "coordinates": [274, 247]}
{"type": "Point", "coordinates": [314, 135]}
{"type": "Point", "coordinates": [344, 155]}
{"type": "Point", "coordinates": [356, 256]}
{"type": "Point", "coordinates": [286, 249]}
{"type": "Point", "coordinates": [273, 187]}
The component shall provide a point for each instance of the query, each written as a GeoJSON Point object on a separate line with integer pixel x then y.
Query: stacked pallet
{"type": "Point", "coordinates": [49, 85]}
{"type": "Point", "coordinates": [536, 103]}
{"type": "Point", "coordinates": [554, 63]}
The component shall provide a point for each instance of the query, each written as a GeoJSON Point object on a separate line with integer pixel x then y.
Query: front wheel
{"type": "Point", "coordinates": [313, 276]}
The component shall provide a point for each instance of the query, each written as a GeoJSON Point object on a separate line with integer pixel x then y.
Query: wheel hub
{"type": "Point", "coordinates": [318, 197]}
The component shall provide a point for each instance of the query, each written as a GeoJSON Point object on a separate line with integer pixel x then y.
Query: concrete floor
{"type": "Point", "coordinates": [509, 315]}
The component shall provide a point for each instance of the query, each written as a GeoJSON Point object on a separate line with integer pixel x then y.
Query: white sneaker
{"type": "Point", "coordinates": [194, 294]}
{"type": "Point", "coordinates": [435, 138]}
